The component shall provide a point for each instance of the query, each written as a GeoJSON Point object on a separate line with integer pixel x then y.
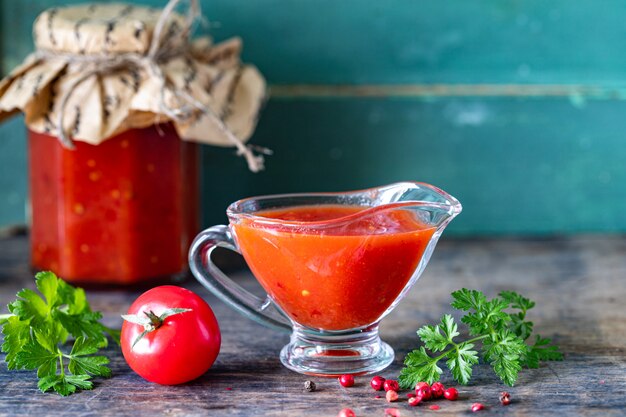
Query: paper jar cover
{"type": "Point", "coordinates": [127, 90]}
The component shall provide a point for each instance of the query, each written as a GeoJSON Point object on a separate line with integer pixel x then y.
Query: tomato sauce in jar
{"type": "Point", "coordinates": [121, 212]}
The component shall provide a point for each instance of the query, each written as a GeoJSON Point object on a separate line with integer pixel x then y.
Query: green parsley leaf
{"type": "Point", "coordinates": [488, 315]}
{"type": "Point", "coordinates": [82, 363]}
{"type": "Point", "coordinates": [48, 284]}
{"type": "Point", "coordinates": [460, 362]}
{"type": "Point", "coordinates": [517, 301]}
{"type": "Point", "coordinates": [37, 331]}
{"type": "Point", "coordinates": [503, 350]}
{"type": "Point", "coordinates": [84, 324]}
{"type": "Point", "coordinates": [507, 368]}
{"type": "Point", "coordinates": [48, 336]}
{"type": "Point", "coordinates": [501, 336]}
{"type": "Point", "coordinates": [437, 338]}
{"type": "Point", "coordinates": [418, 367]}
{"type": "Point", "coordinates": [16, 333]}
{"type": "Point", "coordinates": [35, 356]}
{"type": "Point", "coordinates": [541, 350]}
{"type": "Point", "coordinates": [521, 327]}
{"type": "Point", "coordinates": [449, 327]}
{"type": "Point", "coordinates": [65, 384]}
{"type": "Point", "coordinates": [503, 342]}
{"type": "Point", "coordinates": [466, 300]}
{"type": "Point", "coordinates": [29, 306]}
{"type": "Point", "coordinates": [48, 382]}
{"type": "Point", "coordinates": [80, 381]}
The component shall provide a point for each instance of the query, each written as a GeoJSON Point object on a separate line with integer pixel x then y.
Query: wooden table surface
{"type": "Point", "coordinates": [579, 285]}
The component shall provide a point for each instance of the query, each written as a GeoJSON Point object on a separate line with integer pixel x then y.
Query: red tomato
{"type": "Point", "coordinates": [180, 349]}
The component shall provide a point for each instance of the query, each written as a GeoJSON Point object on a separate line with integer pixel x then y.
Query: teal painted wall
{"type": "Point", "coordinates": [515, 107]}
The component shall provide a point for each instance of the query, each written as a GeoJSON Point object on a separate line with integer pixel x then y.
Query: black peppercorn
{"type": "Point", "coordinates": [309, 386]}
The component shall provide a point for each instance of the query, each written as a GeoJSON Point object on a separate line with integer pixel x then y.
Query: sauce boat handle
{"type": "Point", "coordinates": [211, 277]}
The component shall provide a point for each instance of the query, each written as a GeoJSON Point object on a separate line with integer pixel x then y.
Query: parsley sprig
{"type": "Point", "coordinates": [503, 338]}
{"type": "Point", "coordinates": [39, 327]}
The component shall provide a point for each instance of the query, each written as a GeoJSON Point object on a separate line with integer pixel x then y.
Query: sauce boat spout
{"type": "Point", "coordinates": [432, 205]}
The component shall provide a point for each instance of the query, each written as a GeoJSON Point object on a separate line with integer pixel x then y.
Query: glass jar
{"type": "Point", "coordinates": [114, 188]}
{"type": "Point", "coordinates": [119, 212]}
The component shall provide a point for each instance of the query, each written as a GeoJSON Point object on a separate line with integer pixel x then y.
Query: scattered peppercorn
{"type": "Point", "coordinates": [505, 398]}
{"type": "Point", "coordinates": [437, 389]}
{"type": "Point", "coordinates": [421, 384]}
{"type": "Point", "coordinates": [477, 407]}
{"type": "Point", "coordinates": [392, 412]}
{"type": "Point", "coordinates": [377, 383]}
{"type": "Point", "coordinates": [309, 386]}
{"type": "Point", "coordinates": [451, 394]}
{"type": "Point", "coordinates": [424, 392]}
{"type": "Point", "coordinates": [391, 396]}
{"type": "Point", "coordinates": [391, 384]}
{"type": "Point", "coordinates": [346, 412]}
{"type": "Point", "coordinates": [434, 407]}
{"type": "Point", "coordinates": [346, 380]}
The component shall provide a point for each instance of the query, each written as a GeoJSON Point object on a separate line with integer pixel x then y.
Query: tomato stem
{"type": "Point", "coordinates": [151, 321]}
{"type": "Point", "coordinates": [155, 321]}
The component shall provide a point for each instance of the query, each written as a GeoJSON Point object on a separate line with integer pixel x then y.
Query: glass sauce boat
{"type": "Point", "coordinates": [332, 264]}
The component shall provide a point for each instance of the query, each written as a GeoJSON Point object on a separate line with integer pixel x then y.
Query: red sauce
{"type": "Point", "coordinates": [119, 212]}
{"type": "Point", "coordinates": [339, 277]}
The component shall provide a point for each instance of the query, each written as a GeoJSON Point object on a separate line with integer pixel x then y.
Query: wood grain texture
{"type": "Point", "coordinates": [574, 92]}
{"type": "Point", "coordinates": [495, 101]}
{"type": "Point", "coordinates": [401, 41]}
{"type": "Point", "coordinates": [577, 283]}
{"type": "Point", "coordinates": [517, 166]}
{"type": "Point", "coordinates": [13, 172]}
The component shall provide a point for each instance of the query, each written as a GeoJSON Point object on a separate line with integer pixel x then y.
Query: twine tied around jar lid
{"type": "Point", "coordinates": [162, 48]}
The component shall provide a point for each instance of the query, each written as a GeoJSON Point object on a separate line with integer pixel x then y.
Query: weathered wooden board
{"type": "Point", "coordinates": [555, 159]}
{"type": "Point", "coordinates": [13, 172]}
{"type": "Point", "coordinates": [518, 166]}
{"type": "Point", "coordinates": [578, 284]}
{"type": "Point", "coordinates": [402, 41]}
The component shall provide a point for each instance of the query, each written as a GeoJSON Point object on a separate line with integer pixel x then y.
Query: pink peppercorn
{"type": "Point", "coordinates": [346, 380]}
{"type": "Point", "coordinates": [413, 401]}
{"type": "Point", "coordinates": [391, 384]}
{"type": "Point", "coordinates": [423, 392]}
{"type": "Point", "coordinates": [391, 396]}
{"type": "Point", "coordinates": [451, 394]}
{"type": "Point", "coordinates": [437, 390]}
{"type": "Point", "coordinates": [421, 384]}
{"type": "Point", "coordinates": [392, 412]}
{"type": "Point", "coordinates": [377, 383]}
{"type": "Point", "coordinates": [346, 412]}
{"type": "Point", "coordinates": [477, 407]}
